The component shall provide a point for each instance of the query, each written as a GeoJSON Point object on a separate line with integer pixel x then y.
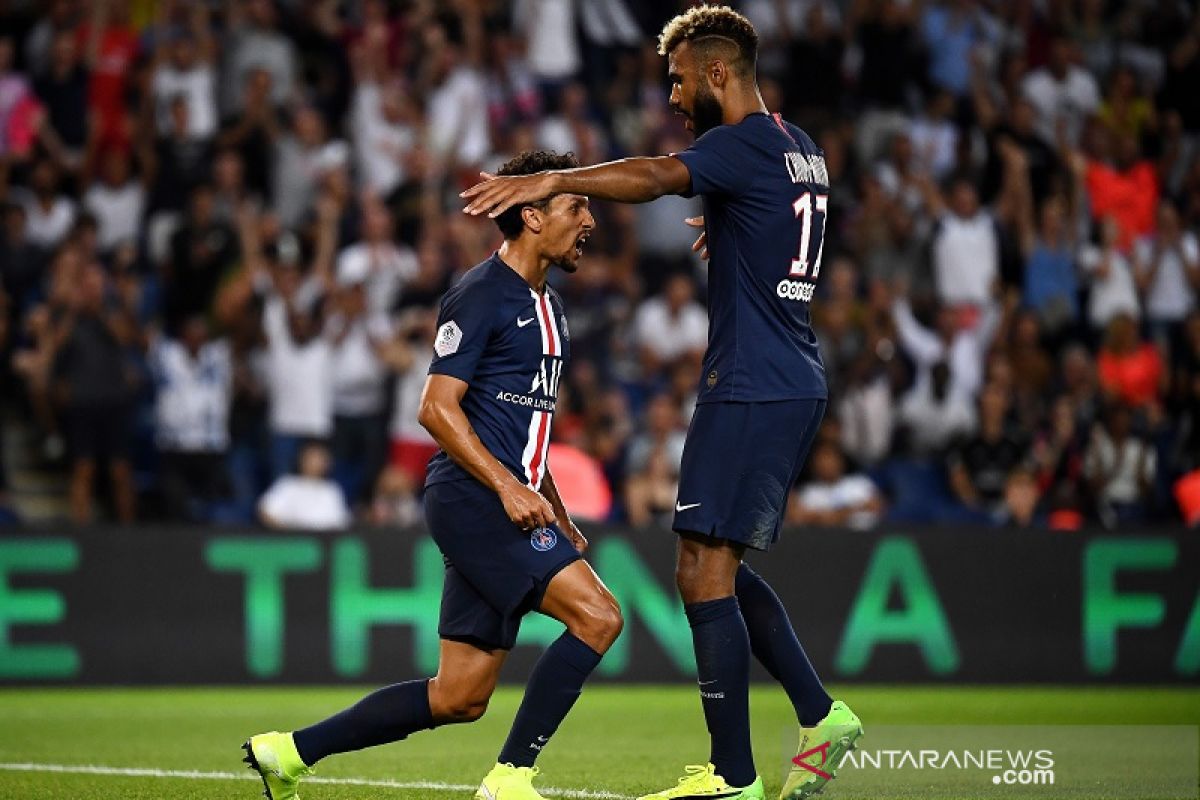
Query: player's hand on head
{"type": "Point", "coordinates": [527, 508]}
{"type": "Point", "coordinates": [701, 244]}
{"type": "Point", "coordinates": [496, 194]}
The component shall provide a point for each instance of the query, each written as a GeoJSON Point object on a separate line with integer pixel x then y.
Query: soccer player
{"type": "Point", "coordinates": [762, 389]}
{"type": "Point", "coordinates": [493, 509]}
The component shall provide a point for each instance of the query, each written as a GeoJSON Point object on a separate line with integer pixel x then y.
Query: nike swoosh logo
{"type": "Point", "coordinates": [681, 507]}
{"type": "Point", "coordinates": [521, 323]}
{"type": "Point", "coordinates": [706, 683]}
{"type": "Point", "coordinates": [734, 793]}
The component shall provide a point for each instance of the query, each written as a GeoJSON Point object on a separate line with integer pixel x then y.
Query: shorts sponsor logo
{"type": "Point", "coordinates": [795, 290]}
{"type": "Point", "coordinates": [543, 539]}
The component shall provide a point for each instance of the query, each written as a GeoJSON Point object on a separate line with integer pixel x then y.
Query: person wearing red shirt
{"type": "Point", "coordinates": [1126, 189]}
{"type": "Point", "coordinates": [111, 45]}
{"type": "Point", "coordinates": [1131, 370]}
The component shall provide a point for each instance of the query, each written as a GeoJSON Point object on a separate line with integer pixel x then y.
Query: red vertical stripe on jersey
{"type": "Point", "coordinates": [779, 121]}
{"type": "Point", "coordinates": [535, 465]}
{"type": "Point", "coordinates": [547, 318]}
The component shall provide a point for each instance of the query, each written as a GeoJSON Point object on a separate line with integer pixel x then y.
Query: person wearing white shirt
{"type": "Point", "coordinates": [962, 349]}
{"type": "Point", "coordinates": [117, 202]}
{"type": "Point", "coordinates": [552, 42]}
{"type": "Point", "coordinates": [1113, 289]}
{"type": "Point", "coordinates": [834, 499]}
{"type": "Point", "coordinates": [184, 69]}
{"type": "Point", "coordinates": [384, 265]}
{"type": "Point", "coordinates": [306, 501]}
{"type": "Point", "coordinates": [670, 325]}
{"type": "Point", "coordinates": [1062, 93]}
{"type": "Point", "coordinates": [384, 135]}
{"type": "Point", "coordinates": [302, 157]}
{"type": "Point", "coordinates": [409, 356]}
{"type": "Point", "coordinates": [966, 250]}
{"type": "Point", "coordinates": [934, 414]}
{"type": "Point", "coordinates": [300, 388]}
{"type": "Point", "coordinates": [1167, 269]}
{"type": "Point", "coordinates": [48, 214]}
{"type": "Point", "coordinates": [357, 338]}
{"type": "Point", "coordinates": [456, 109]}
{"type": "Point", "coordinates": [193, 378]}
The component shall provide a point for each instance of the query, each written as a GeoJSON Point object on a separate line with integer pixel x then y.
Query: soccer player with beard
{"type": "Point", "coordinates": [493, 509]}
{"type": "Point", "coordinates": [762, 389]}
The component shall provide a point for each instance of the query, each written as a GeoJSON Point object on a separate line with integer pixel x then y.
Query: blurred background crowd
{"type": "Point", "coordinates": [227, 224]}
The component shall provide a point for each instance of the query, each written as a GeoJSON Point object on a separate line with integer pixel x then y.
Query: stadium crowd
{"type": "Point", "coordinates": [227, 225]}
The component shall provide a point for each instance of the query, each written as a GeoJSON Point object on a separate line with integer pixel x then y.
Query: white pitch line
{"type": "Point", "coordinates": [195, 775]}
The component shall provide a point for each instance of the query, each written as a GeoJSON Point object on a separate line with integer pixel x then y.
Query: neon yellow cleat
{"type": "Point", "coordinates": [273, 755]}
{"type": "Point", "coordinates": [506, 782]}
{"type": "Point", "coordinates": [703, 781]}
{"type": "Point", "coordinates": [822, 748]}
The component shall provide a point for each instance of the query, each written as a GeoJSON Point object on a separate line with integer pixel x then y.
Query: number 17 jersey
{"type": "Point", "coordinates": [765, 191]}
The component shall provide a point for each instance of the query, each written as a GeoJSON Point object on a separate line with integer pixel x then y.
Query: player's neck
{"type": "Point", "coordinates": [742, 104]}
{"type": "Point", "coordinates": [526, 262]}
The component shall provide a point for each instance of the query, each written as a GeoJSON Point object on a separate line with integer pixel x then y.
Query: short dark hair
{"type": "Point", "coordinates": [704, 25]}
{"type": "Point", "coordinates": [527, 163]}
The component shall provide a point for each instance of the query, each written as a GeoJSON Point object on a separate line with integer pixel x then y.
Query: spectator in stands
{"type": "Point", "coordinates": [832, 498]}
{"type": "Point", "coordinates": [21, 261]}
{"type": "Point", "coordinates": [1019, 507]}
{"type": "Point", "coordinates": [302, 154]}
{"type": "Point", "coordinates": [966, 249]}
{"type": "Point", "coordinates": [357, 337]}
{"type": "Point", "coordinates": [934, 413]}
{"type": "Point", "coordinates": [254, 44]}
{"type": "Point", "coordinates": [308, 499]}
{"type": "Point", "coordinates": [200, 253]}
{"type": "Point", "coordinates": [653, 463]}
{"type": "Point", "coordinates": [1120, 467]}
{"type": "Point", "coordinates": [96, 387]}
{"type": "Point", "coordinates": [1058, 454]}
{"type": "Point", "coordinates": [670, 326]}
{"type": "Point", "coordinates": [1051, 285]}
{"type": "Point", "coordinates": [980, 466]}
{"type": "Point", "coordinates": [1166, 269]}
{"type": "Point", "coordinates": [116, 201]}
{"type": "Point", "coordinates": [1064, 94]}
{"type": "Point", "coordinates": [193, 379]}
{"type": "Point", "coordinates": [183, 68]}
{"type": "Point", "coordinates": [1113, 291]}
{"type": "Point", "coordinates": [376, 260]}
{"type": "Point", "coordinates": [408, 356]}
{"type": "Point", "coordinates": [1121, 183]}
{"type": "Point", "coordinates": [1131, 370]}
{"type": "Point", "coordinates": [63, 90]}
{"type": "Point", "coordinates": [962, 349]}
{"type": "Point", "coordinates": [49, 213]}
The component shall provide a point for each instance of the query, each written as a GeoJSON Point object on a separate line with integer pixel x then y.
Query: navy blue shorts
{"type": "Point", "coordinates": [496, 573]}
{"type": "Point", "coordinates": [739, 463]}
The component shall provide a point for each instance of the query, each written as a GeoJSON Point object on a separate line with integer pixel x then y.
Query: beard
{"type": "Point", "coordinates": [706, 111]}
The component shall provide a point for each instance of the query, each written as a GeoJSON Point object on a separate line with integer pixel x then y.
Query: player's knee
{"type": "Point", "coordinates": [450, 705]}
{"type": "Point", "coordinates": [598, 623]}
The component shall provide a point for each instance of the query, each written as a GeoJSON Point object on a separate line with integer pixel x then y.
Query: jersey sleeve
{"type": "Point", "coordinates": [464, 327]}
{"type": "Point", "coordinates": [714, 165]}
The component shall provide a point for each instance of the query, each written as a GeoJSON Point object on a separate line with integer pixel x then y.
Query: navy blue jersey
{"type": "Point", "coordinates": [765, 192]}
{"type": "Point", "coordinates": [509, 344]}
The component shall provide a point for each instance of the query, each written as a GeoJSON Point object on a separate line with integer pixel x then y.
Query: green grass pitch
{"type": "Point", "coordinates": [619, 741]}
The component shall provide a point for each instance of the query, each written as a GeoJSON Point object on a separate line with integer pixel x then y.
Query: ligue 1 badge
{"type": "Point", "coordinates": [543, 539]}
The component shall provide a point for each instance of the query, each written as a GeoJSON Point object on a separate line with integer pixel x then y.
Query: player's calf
{"type": "Point", "coordinates": [455, 702]}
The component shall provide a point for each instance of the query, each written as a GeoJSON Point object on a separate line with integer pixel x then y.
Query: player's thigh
{"type": "Point", "coordinates": [706, 566]}
{"type": "Point", "coordinates": [578, 598]}
{"type": "Point", "coordinates": [466, 677]}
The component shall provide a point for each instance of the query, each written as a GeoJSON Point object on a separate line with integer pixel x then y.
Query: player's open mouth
{"type": "Point", "coordinates": [579, 244]}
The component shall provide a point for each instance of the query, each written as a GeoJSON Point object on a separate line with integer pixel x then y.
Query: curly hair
{"type": "Point", "coordinates": [527, 163]}
{"type": "Point", "coordinates": [704, 24]}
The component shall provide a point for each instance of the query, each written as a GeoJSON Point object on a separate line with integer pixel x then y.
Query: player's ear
{"type": "Point", "coordinates": [718, 73]}
{"type": "Point", "coordinates": [532, 218]}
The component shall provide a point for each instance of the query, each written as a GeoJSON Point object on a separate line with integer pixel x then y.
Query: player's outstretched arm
{"type": "Point", "coordinates": [549, 491]}
{"type": "Point", "coordinates": [630, 180]}
{"type": "Point", "coordinates": [441, 414]}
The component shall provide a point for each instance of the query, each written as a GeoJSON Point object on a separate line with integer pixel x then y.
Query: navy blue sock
{"type": "Point", "coordinates": [723, 665]}
{"type": "Point", "coordinates": [386, 715]}
{"type": "Point", "coordinates": [554, 685]}
{"type": "Point", "coordinates": [774, 643]}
